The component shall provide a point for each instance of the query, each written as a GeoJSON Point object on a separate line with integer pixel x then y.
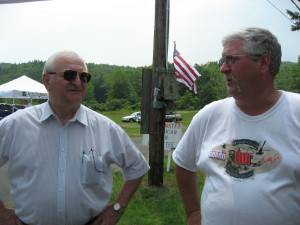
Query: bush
{"type": "Point", "coordinates": [114, 104]}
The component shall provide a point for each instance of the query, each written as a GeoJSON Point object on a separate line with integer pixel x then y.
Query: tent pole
{"type": "Point", "coordinates": [13, 103]}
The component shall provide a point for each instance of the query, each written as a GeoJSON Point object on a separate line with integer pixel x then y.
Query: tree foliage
{"type": "Point", "coordinates": [115, 87]}
{"type": "Point", "coordinates": [295, 16]}
{"type": "Point", "coordinates": [288, 77]}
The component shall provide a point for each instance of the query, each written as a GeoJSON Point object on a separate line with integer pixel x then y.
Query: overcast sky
{"type": "Point", "coordinates": [120, 32]}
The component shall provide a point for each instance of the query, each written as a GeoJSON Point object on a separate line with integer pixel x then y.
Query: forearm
{"type": "Point", "coordinates": [8, 216]}
{"type": "Point", "coordinates": [4, 212]}
{"type": "Point", "coordinates": [111, 217]}
{"type": "Point", "coordinates": [188, 187]}
{"type": "Point", "coordinates": [127, 191]}
{"type": "Point", "coordinates": [2, 206]}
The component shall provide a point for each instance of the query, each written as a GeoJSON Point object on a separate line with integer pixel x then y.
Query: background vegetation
{"type": "Point", "coordinates": [117, 87]}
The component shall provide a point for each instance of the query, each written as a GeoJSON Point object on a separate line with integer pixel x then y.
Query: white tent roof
{"type": "Point", "coordinates": [23, 87]}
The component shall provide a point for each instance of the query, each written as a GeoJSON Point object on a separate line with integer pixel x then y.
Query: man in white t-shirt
{"type": "Point", "coordinates": [247, 146]}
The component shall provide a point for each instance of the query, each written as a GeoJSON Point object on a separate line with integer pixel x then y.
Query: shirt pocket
{"type": "Point", "coordinates": [92, 168]}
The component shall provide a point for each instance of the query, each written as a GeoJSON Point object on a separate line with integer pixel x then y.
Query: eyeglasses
{"type": "Point", "coordinates": [70, 75]}
{"type": "Point", "coordinates": [230, 59]}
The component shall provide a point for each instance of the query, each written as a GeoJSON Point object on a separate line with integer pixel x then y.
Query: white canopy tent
{"type": "Point", "coordinates": [24, 88]}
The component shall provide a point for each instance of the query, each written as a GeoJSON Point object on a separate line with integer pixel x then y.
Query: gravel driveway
{"type": "Point", "coordinates": [4, 184]}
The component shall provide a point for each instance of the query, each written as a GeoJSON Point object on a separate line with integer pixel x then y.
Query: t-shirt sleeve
{"type": "Point", "coordinates": [185, 154]}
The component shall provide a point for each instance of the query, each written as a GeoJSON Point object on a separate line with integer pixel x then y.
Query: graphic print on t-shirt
{"type": "Point", "coordinates": [244, 158]}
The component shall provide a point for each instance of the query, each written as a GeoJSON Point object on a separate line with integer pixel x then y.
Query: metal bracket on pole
{"type": "Point", "coordinates": [166, 89]}
{"type": "Point", "coordinates": [156, 103]}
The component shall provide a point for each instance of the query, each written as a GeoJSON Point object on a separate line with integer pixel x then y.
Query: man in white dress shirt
{"type": "Point", "coordinates": [60, 155]}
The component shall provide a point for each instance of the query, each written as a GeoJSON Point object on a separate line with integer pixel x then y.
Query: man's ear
{"type": "Point", "coordinates": [46, 81]}
{"type": "Point", "coordinates": [265, 62]}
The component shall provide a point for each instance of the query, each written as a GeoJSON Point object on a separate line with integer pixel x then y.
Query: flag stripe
{"type": "Point", "coordinates": [182, 70]}
{"type": "Point", "coordinates": [190, 70]}
{"type": "Point", "coordinates": [186, 74]}
{"type": "Point", "coordinates": [185, 77]}
{"type": "Point", "coordinates": [185, 83]}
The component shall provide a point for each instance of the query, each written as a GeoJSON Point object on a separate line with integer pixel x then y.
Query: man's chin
{"type": "Point", "coordinates": [234, 90]}
{"type": "Point", "coordinates": [231, 90]}
{"type": "Point", "coordinates": [75, 99]}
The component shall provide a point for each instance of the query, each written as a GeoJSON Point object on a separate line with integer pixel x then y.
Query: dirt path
{"type": "Point", "coordinates": [4, 184]}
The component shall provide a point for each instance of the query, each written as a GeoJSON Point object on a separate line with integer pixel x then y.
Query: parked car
{"type": "Point", "coordinates": [6, 109]}
{"type": "Point", "coordinates": [19, 106]}
{"type": "Point", "coordinates": [170, 117]}
{"type": "Point", "coordinates": [138, 119]}
{"type": "Point", "coordinates": [132, 118]}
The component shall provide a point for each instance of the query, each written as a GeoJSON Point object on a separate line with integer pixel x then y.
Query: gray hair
{"type": "Point", "coordinates": [50, 63]}
{"type": "Point", "coordinates": [258, 41]}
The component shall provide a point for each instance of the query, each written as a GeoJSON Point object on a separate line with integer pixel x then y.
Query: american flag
{"type": "Point", "coordinates": [185, 73]}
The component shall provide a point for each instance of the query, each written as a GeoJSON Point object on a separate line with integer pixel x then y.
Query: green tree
{"type": "Point", "coordinates": [211, 85]}
{"type": "Point", "coordinates": [288, 77]}
{"type": "Point", "coordinates": [89, 97]}
{"type": "Point", "coordinates": [100, 89]}
{"type": "Point", "coordinates": [295, 16]}
{"type": "Point", "coordinates": [135, 90]}
{"type": "Point", "coordinates": [187, 101]}
{"type": "Point", "coordinates": [118, 84]}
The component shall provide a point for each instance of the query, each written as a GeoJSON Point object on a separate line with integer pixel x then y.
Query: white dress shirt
{"type": "Point", "coordinates": [62, 174]}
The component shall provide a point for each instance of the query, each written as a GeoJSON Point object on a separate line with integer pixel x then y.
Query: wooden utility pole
{"type": "Point", "coordinates": [157, 109]}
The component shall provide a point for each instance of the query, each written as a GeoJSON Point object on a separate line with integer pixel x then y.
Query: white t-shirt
{"type": "Point", "coordinates": [62, 174]}
{"type": "Point", "coordinates": [251, 163]}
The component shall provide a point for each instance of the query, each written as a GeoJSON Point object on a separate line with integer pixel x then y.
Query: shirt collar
{"type": "Point", "coordinates": [47, 112]}
{"type": "Point", "coordinates": [80, 114]}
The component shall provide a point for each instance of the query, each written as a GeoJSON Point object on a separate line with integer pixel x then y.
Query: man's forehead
{"type": "Point", "coordinates": [233, 47]}
{"type": "Point", "coordinates": [68, 60]}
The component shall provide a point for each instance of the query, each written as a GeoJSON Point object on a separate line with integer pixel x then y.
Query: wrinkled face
{"type": "Point", "coordinates": [61, 91]}
{"type": "Point", "coordinates": [242, 75]}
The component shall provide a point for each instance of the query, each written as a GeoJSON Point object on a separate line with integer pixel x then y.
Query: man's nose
{"type": "Point", "coordinates": [77, 79]}
{"type": "Point", "coordinates": [224, 68]}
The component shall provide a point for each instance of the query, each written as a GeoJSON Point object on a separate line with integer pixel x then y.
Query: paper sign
{"type": "Point", "coordinates": [172, 136]}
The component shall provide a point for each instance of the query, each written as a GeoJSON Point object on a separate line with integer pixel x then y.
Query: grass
{"type": "Point", "coordinates": [153, 205]}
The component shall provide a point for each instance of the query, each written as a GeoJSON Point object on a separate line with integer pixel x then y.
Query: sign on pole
{"type": "Point", "coordinates": [172, 136]}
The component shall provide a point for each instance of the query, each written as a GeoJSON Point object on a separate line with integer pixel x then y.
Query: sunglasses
{"type": "Point", "coordinates": [71, 75]}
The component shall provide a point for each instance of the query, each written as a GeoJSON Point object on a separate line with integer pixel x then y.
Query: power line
{"type": "Point", "coordinates": [295, 5]}
{"type": "Point", "coordinates": [281, 12]}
